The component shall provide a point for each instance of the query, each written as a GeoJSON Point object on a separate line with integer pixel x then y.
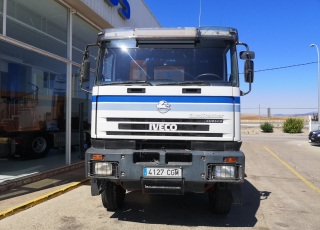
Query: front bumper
{"type": "Point", "coordinates": [198, 168]}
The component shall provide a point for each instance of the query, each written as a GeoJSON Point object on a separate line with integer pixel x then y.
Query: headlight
{"type": "Point", "coordinates": [103, 168]}
{"type": "Point", "coordinates": [318, 135]}
{"type": "Point", "coordinates": [224, 172]}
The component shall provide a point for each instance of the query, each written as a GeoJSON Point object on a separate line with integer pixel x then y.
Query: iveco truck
{"type": "Point", "coordinates": [166, 113]}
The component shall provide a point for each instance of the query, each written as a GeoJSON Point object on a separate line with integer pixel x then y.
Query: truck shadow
{"type": "Point", "coordinates": [190, 210]}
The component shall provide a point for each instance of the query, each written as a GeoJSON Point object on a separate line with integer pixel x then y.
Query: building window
{"type": "Point", "coordinates": [48, 80]}
{"type": "Point", "coordinates": [42, 24]}
{"type": "Point", "coordinates": [1, 15]}
{"type": "Point", "coordinates": [32, 88]}
{"type": "Point", "coordinates": [83, 34]}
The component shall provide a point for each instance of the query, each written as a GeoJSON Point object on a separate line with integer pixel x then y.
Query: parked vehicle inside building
{"type": "Point", "coordinates": [32, 111]}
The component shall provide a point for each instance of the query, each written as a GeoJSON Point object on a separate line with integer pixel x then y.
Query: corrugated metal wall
{"type": "Point", "coordinates": [141, 16]}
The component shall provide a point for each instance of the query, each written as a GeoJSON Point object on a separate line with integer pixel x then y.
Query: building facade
{"type": "Point", "coordinates": [41, 46]}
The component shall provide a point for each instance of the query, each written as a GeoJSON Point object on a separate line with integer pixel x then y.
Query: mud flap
{"type": "Point", "coordinates": [96, 187]}
{"type": "Point", "coordinates": [236, 193]}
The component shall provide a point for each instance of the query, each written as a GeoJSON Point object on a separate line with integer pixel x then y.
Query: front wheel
{"type": "Point", "coordinates": [220, 199]}
{"type": "Point", "coordinates": [113, 196]}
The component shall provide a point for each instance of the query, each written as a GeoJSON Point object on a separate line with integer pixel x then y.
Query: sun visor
{"type": "Point", "coordinates": [166, 43]}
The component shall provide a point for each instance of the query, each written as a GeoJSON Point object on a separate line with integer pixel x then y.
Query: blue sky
{"type": "Point", "coordinates": [279, 32]}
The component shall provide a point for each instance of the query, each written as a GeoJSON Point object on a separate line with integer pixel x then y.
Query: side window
{"type": "Point", "coordinates": [107, 68]}
{"type": "Point", "coordinates": [228, 69]}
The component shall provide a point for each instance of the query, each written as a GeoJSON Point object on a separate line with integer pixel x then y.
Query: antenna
{"type": "Point", "coordinates": [222, 13]}
{"type": "Point", "coordinates": [200, 13]}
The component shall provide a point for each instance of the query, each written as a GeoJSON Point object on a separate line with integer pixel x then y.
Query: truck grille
{"type": "Point", "coordinates": [163, 127]}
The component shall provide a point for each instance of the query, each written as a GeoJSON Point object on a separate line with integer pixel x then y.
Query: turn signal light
{"type": "Point", "coordinates": [230, 159]}
{"type": "Point", "coordinates": [97, 157]}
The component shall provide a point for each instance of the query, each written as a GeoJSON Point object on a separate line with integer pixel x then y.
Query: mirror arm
{"type": "Point", "coordinates": [244, 44]}
{"type": "Point", "coordinates": [88, 91]}
{"type": "Point", "coordinates": [85, 55]}
{"type": "Point", "coordinates": [242, 93]}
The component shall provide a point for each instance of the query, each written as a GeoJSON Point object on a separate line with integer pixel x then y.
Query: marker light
{"type": "Point", "coordinates": [97, 157]}
{"type": "Point", "coordinates": [230, 159]}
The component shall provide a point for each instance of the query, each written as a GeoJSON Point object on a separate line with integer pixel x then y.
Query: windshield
{"type": "Point", "coordinates": [121, 62]}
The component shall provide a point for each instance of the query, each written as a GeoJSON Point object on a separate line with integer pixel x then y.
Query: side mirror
{"type": "Point", "coordinates": [85, 71]}
{"type": "Point", "coordinates": [248, 71]}
{"type": "Point", "coordinates": [245, 55]}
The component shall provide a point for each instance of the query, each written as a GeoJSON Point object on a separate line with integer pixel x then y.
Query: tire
{"type": "Point", "coordinates": [113, 196]}
{"type": "Point", "coordinates": [220, 200]}
{"type": "Point", "coordinates": [37, 146]}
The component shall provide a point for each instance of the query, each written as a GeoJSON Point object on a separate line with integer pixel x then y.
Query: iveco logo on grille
{"type": "Point", "coordinates": [163, 107]}
{"type": "Point", "coordinates": [163, 127]}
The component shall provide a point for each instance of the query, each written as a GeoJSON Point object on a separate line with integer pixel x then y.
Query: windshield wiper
{"type": "Point", "coordinates": [127, 83]}
{"type": "Point", "coordinates": [187, 83]}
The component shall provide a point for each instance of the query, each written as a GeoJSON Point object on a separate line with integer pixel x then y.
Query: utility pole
{"type": "Point", "coordinates": [314, 45]}
{"type": "Point", "coordinates": [259, 113]}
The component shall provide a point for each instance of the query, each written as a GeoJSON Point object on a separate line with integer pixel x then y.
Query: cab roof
{"type": "Point", "coordinates": [178, 33]}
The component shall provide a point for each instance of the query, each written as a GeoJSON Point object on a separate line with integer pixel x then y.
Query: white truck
{"type": "Point", "coordinates": [166, 114]}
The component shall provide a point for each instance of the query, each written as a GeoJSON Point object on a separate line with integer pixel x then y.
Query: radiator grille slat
{"type": "Point", "coordinates": [165, 134]}
{"type": "Point", "coordinates": [145, 120]}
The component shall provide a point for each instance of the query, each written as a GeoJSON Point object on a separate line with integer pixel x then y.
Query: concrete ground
{"type": "Point", "coordinates": [29, 192]}
{"type": "Point", "coordinates": [281, 191]}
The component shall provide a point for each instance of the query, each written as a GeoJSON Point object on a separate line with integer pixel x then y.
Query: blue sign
{"type": "Point", "coordinates": [124, 10]}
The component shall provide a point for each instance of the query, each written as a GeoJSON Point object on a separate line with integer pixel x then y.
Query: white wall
{"type": "Point", "coordinates": [141, 16]}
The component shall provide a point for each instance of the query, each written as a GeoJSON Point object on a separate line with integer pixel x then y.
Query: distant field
{"type": "Point", "coordinates": [254, 117]}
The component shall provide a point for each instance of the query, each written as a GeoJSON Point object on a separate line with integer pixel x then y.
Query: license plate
{"type": "Point", "coordinates": [162, 172]}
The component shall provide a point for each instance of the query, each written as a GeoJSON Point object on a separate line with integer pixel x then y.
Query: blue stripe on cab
{"type": "Point", "coordinates": [170, 99]}
{"type": "Point", "coordinates": [175, 107]}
